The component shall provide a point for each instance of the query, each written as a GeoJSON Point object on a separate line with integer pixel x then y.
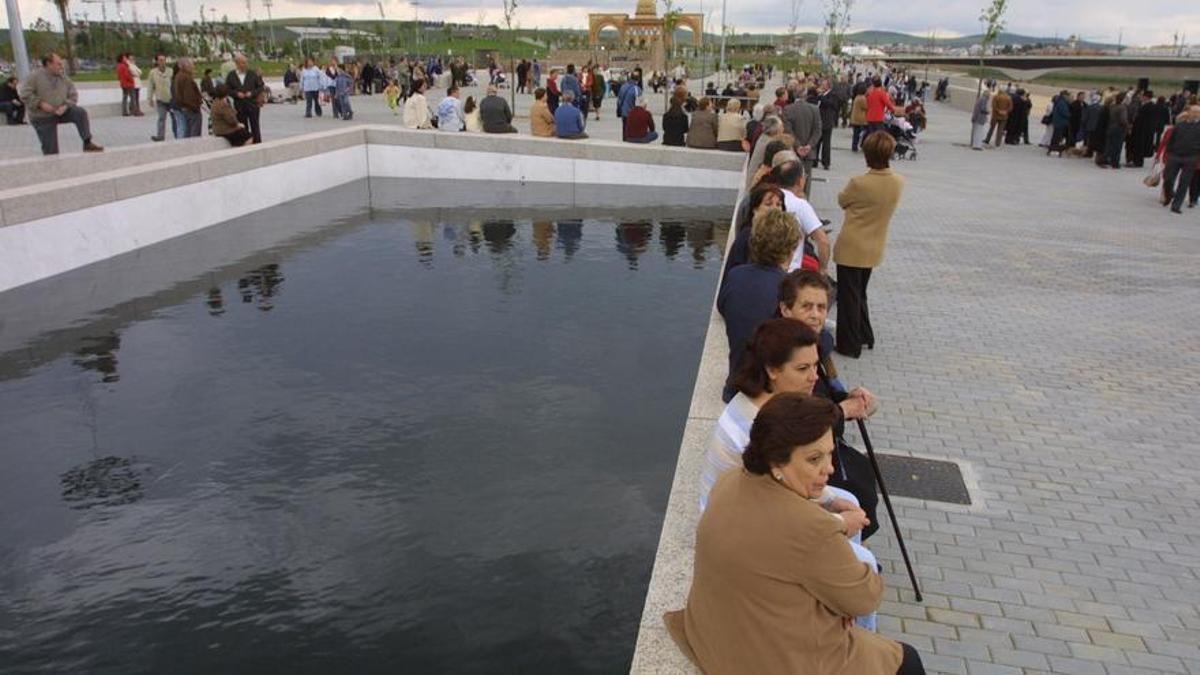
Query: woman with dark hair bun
{"type": "Point", "coordinates": [775, 583]}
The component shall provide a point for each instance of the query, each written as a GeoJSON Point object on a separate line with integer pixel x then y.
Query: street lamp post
{"type": "Point", "coordinates": [16, 32]}
{"type": "Point", "coordinates": [723, 31]}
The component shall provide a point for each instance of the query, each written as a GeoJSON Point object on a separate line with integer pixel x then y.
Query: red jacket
{"type": "Point", "coordinates": [125, 76]}
{"type": "Point", "coordinates": [878, 101]}
{"type": "Point", "coordinates": [638, 123]}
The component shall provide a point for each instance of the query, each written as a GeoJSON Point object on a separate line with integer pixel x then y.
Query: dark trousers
{"type": "Point", "coordinates": [911, 663]}
{"type": "Point", "coordinates": [1177, 179]}
{"type": "Point", "coordinates": [853, 318]}
{"type": "Point", "coordinates": [247, 113]}
{"type": "Point", "coordinates": [15, 114]}
{"type": "Point", "coordinates": [312, 99]}
{"type": "Point", "coordinates": [823, 152]}
{"type": "Point", "coordinates": [858, 134]}
{"type": "Point", "coordinates": [872, 127]}
{"type": "Point", "coordinates": [1112, 146]}
{"type": "Point", "coordinates": [1057, 138]}
{"type": "Point", "coordinates": [237, 138]}
{"type": "Point", "coordinates": [47, 128]}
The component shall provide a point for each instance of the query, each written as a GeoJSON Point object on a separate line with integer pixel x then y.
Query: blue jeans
{"type": "Point", "coordinates": [858, 135]}
{"type": "Point", "coordinates": [343, 107]}
{"type": "Point", "coordinates": [648, 138]}
{"type": "Point", "coordinates": [867, 621]}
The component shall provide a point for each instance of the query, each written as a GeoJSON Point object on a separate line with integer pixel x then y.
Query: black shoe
{"type": "Point", "coordinates": [156, 139]}
{"type": "Point", "coordinates": [1191, 205]}
{"type": "Point", "coordinates": [1176, 209]}
{"type": "Point", "coordinates": [852, 355]}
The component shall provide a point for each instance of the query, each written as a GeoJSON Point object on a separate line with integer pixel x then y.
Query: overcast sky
{"type": "Point", "coordinates": [1139, 23]}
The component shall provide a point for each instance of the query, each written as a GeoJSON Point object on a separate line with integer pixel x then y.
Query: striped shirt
{"type": "Point", "coordinates": [729, 441]}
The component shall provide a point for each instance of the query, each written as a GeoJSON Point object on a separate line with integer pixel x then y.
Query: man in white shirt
{"type": "Point", "coordinates": [790, 173]}
{"type": "Point", "coordinates": [450, 112]}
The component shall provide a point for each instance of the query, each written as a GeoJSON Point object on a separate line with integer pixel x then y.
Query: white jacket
{"type": "Point", "coordinates": [416, 112]}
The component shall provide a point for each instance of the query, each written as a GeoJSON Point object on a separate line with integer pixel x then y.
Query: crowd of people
{"type": "Point", "coordinates": [1103, 125]}
{"type": "Point", "coordinates": [787, 503]}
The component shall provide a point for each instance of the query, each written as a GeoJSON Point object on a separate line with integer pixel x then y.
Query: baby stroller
{"type": "Point", "coordinates": [906, 138]}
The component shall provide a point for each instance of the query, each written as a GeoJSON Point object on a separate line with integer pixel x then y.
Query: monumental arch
{"type": "Point", "coordinates": [644, 28]}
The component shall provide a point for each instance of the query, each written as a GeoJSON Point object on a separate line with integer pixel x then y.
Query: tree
{"type": "Point", "coordinates": [671, 14]}
{"type": "Point", "coordinates": [794, 24]}
{"type": "Point", "coordinates": [63, 14]}
{"type": "Point", "coordinates": [510, 12]}
{"type": "Point", "coordinates": [992, 18]}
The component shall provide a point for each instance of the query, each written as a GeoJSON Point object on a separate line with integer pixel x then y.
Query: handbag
{"type": "Point", "coordinates": [1045, 119]}
{"type": "Point", "coordinates": [1153, 178]}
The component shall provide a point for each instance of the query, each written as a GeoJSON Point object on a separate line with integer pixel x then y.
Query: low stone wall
{"type": "Point", "coordinates": [50, 227]}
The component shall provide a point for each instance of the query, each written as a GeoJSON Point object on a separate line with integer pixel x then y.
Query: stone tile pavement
{"type": "Point", "coordinates": [1036, 321]}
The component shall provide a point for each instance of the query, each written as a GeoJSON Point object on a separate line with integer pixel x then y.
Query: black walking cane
{"type": "Point", "coordinates": [887, 500]}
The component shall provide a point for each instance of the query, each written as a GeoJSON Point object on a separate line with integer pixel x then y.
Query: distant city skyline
{"type": "Point", "coordinates": [1106, 21]}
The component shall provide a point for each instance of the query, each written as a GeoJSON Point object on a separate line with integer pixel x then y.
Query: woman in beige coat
{"type": "Point", "coordinates": [868, 200]}
{"type": "Point", "coordinates": [775, 583]}
{"type": "Point", "coordinates": [703, 130]}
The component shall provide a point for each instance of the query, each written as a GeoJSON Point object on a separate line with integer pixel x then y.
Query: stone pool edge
{"type": "Point", "coordinates": [133, 197]}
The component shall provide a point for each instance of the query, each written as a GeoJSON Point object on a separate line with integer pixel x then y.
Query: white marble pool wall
{"type": "Point", "coordinates": [32, 248]}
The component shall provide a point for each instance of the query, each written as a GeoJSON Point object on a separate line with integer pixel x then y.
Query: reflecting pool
{"type": "Point", "coordinates": [331, 438]}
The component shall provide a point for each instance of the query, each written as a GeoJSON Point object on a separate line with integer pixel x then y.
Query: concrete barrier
{"type": "Point", "coordinates": [97, 211]}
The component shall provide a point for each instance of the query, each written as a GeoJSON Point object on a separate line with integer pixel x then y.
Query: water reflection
{"type": "Point", "coordinates": [671, 236]}
{"type": "Point", "coordinates": [570, 237]}
{"type": "Point", "coordinates": [543, 238]}
{"type": "Point", "coordinates": [499, 235]}
{"type": "Point", "coordinates": [261, 285]}
{"type": "Point", "coordinates": [98, 353]}
{"type": "Point", "coordinates": [215, 301]}
{"type": "Point", "coordinates": [107, 481]}
{"type": "Point", "coordinates": [632, 240]}
{"type": "Point", "coordinates": [701, 239]}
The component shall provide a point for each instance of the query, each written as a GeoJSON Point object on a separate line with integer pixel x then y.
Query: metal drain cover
{"type": "Point", "coordinates": [919, 478]}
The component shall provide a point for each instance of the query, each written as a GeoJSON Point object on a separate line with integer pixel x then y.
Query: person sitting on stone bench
{"type": "Point", "coordinates": [775, 583]}
{"type": "Point", "coordinates": [497, 117]}
{"type": "Point", "coordinates": [781, 358]}
{"type": "Point", "coordinates": [10, 102]}
{"type": "Point", "coordinates": [639, 124]}
{"type": "Point", "coordinates": [749, 293]}
{"type": "Point", "coordinates": [53, 100]}
{"type": "Point", "coordinates": [225, 121]}
{"type": "Point", "coordinates": [805, 295]}
{"type": "Point", "coordinates": [569, 122]}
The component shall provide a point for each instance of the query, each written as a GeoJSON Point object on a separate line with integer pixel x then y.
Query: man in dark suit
{"type": "Point", "coordinates": [245, 86]}
{"type": "Point", "coordinates": [830, 106]}
{"type": "Point", "coordinates": [803, 122]}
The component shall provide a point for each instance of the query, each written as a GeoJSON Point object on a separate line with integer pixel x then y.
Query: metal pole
{"type": "Point", "coordinates": [16, 33]}
{"type": "Point", "coordinates": [723, 24]}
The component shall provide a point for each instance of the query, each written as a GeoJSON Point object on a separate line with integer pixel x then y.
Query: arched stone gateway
{"type": "Point", "coordinates": [644, 28]}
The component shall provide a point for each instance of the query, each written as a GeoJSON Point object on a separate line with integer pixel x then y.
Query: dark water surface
{"type": "Point", "coordinates": [330, 439]}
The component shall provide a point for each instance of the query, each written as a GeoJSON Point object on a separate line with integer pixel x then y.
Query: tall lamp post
{"type": "Point", "coordinates": [16, 33]}
{"type": "Point", "coordinates": [721, 72]}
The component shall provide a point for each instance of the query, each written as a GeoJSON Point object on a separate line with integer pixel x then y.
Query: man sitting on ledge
{"type": "Point", "coordinates": [52, 100]}
{"type": "Point", "coordinates": [639, 125]}
{"type": "Point", "coordinates": [497, 117]}
{"type": "Point", "coordinates": [568, 120]}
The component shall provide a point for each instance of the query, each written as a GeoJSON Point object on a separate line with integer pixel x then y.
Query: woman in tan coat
{"type": "Point", "coordinates": [858, 120]}
{"type": "Point", "coordinates": [775, 584]}
{"type": "Point", "coordinates": [868, 200]}
{"type": "Point", "coordinates": [541, 120]}
{"type": "Point", "coordinates": [224, 120]}
{"type": "Point", "coordinates": [703, 130]}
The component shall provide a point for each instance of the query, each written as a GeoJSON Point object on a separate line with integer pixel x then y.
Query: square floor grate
{"type": "Point", "coordinates": [932, 479]}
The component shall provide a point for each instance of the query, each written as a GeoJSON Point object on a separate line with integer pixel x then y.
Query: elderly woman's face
{"type": "Point", "coordinates": [810, 467]}
{"type": "Point", "coordinates": [798, 375]}
{"type": "Point", "coordinates": [811, 307]}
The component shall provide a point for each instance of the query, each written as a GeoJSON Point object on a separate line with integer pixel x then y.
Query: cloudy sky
{"type": "Point", "coordinates": [1139, 23]}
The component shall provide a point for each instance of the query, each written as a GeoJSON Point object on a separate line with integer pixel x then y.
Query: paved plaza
{"type": "Point", "coordinates": [1037, 321]}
